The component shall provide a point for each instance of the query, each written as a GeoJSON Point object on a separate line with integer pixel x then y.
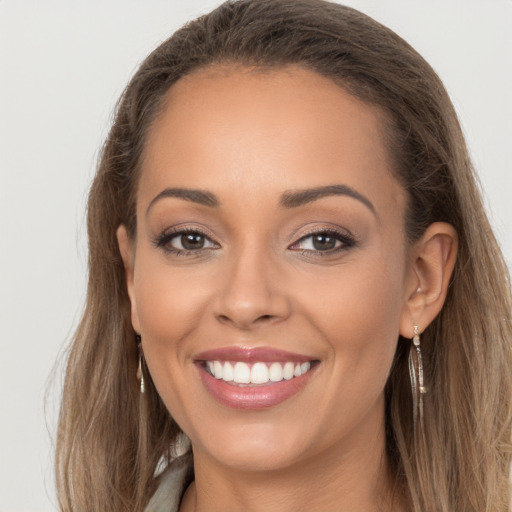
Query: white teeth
{"type": "Point", "coordinates": [288, 370]}
{"type": "Point", "coordinates": [258, 373]}
{"type": "Point", "coordinates": [242, 373]}
{"type": "Point", "coordinates": [276, 372]}
{"type": "Point", "coordinates": [305, 367]}
{"type": "Point", "coordinates": [228, 372]}
{"type": "Point", "coordinates": [217, 369]}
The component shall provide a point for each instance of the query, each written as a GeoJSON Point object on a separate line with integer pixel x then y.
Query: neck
{"type": "Point", "coordinates": [353, 476]}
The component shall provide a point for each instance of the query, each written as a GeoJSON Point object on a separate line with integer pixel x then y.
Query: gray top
{"type": "Point", "coordinates": [172, 485]}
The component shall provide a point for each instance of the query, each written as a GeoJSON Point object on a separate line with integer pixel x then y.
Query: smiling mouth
{"type": "Point", "coordinates": [257, 373]}
{"type": "Point", "coordinates": [254, 378]}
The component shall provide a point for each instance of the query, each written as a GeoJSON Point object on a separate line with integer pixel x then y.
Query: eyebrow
{"type": "Point", "coordinates": [188, 194]}
{"type": "Point", "coordinates": [290, 199]}
{"type": "Point", "coordinates": [295, 198]}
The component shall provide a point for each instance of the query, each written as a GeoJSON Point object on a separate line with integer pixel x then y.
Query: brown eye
{"type": "Point", "coordinates": [323, 241]}
{"type": "Point", "coordinates": [320, 242]}
{"type": "Point", "coordinates": [183, 242]}
{"type": "Point", "coordinates": [192, 241]}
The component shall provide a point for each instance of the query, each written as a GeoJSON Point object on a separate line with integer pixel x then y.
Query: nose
{"type": "Point", "coordinates": [252, 294]}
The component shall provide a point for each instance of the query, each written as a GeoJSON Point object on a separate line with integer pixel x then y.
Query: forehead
{"type": "Point", "coordinates": [265, 129]}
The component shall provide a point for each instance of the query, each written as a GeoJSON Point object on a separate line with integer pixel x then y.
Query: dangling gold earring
{"type": "Point", "coordinates": [140, 375]}
{"type": "Point", "coordinates": [416, 374]}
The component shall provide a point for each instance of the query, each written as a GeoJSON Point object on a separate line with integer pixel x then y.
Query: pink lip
{"type": "Point", "coordinates": [251, 355]}
{"type": "Point", "coordinates": [257, 396]}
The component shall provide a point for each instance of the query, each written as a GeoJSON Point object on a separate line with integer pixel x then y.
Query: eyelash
{"type": "Point", "coordinates": [163, 241]}
{"type": "Point", "coordinates": [346, 242]}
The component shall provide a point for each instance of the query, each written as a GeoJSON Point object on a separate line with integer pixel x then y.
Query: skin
{"type": "Point", "coordinates": [248, 137]}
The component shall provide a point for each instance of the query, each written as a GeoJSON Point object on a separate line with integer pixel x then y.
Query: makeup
{"type": "Point", "coordinates": [244, 378]}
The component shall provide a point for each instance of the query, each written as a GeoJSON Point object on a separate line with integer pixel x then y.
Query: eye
{"type": "Point", "coordinates": [323, 241]}
{"type": "Point", "coordinates": [185, 242]}
{"type": "Point", "coordinates": [319, 242]}
{"type": "Point", "coordinates": [190, 241]}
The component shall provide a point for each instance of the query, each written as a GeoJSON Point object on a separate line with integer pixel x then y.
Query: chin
{"type": "Point", "coordinates": [255, 445]}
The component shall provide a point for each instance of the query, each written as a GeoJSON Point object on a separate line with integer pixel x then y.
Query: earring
{"type": "Point", "coordinates": [140, 375]}
{"type": "Point", "coordinates": [416, 375]}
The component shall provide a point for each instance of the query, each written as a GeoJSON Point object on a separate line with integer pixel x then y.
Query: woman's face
{"type": "Point", "coordinates": [269, 274]}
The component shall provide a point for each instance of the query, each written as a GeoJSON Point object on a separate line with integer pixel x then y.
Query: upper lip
{"type": "Point", "coordinates": [251, 355]}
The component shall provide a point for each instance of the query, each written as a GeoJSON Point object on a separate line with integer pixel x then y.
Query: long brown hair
{"type": "Point", "coordinates": [111, 440]}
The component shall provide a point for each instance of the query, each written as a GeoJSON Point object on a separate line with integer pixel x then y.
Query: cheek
{"type": "Point", "coordinates": [357, 311]}
{"type": "Point", "coordinates": [365, 295]}
{"type": "Point", "coordinates": [170, 305]}
{"type": "Point", "coordinates": [169, 301]}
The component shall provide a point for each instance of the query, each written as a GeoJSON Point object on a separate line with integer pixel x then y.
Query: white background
{"type": "Point", "coordinates": [62, 66]}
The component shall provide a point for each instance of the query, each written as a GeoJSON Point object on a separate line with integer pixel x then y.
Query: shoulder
{"type": "Point", "coordinates": [171, 487]}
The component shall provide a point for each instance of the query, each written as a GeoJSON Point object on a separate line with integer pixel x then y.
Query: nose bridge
{"type": "Point", "coordinates": [251, 294]}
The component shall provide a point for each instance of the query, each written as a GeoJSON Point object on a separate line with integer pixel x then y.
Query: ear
{"type": "Point", "coordinates": [127, 250]}
{"type": "Point", "coordinates": [431, 263]}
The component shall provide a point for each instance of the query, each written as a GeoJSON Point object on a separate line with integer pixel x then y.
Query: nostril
{"type": "Point", "coordinates": [264, 318]}
{"type": "Point", "coordinates": [245, 323]}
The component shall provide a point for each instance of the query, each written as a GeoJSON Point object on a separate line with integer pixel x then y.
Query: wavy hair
{"type": "Point", "coordinates": [111, 441]}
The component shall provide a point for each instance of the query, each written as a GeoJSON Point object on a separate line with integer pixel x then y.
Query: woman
{"type": "Point", "coordinates": [290, 266]}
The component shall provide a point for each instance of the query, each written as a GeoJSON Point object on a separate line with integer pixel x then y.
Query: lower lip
{"type": "Point", "coordinates": [249, 397]}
